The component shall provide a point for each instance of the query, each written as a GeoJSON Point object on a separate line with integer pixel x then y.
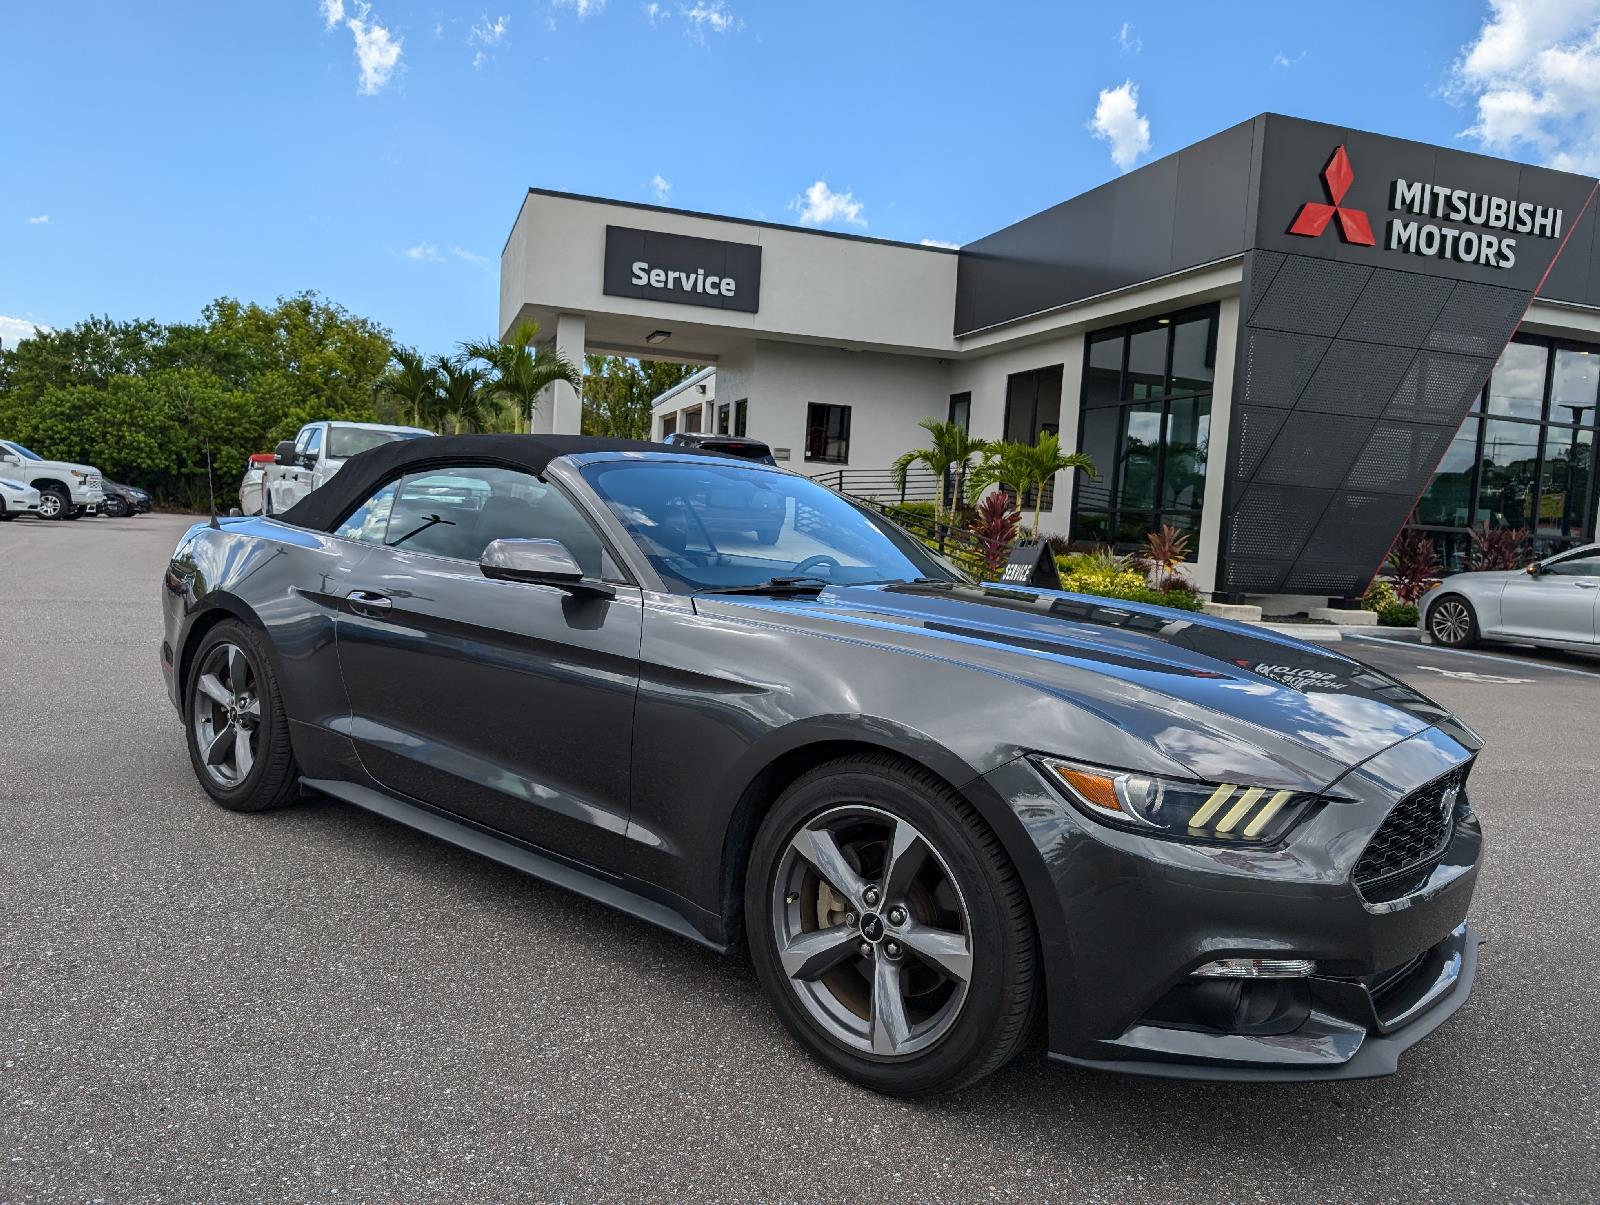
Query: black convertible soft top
{"type": "Point", "coordinates": [366, 471]}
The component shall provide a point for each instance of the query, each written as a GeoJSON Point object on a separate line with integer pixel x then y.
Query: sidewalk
{"type": "Point", "coordinates": [1332, 633]}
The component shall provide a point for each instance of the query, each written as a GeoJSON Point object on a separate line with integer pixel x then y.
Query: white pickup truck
{"type": "Point", "coordinates": [66, 490]}
{"type": "Point", "coordinates": [303, 463]}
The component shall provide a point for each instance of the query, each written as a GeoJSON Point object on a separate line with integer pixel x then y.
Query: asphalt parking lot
{"type": "Point", "coordinates": [319, 1003]}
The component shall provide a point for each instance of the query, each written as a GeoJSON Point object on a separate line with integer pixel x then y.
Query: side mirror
{"type": "Point", "coordinates": [1534, 570]}
{"type": "Point", "coordinates": [8, 458]}
{"type": "Point", "coordinates": [284, 455]}
{"type": "Point", "coordinates": [542, 562]}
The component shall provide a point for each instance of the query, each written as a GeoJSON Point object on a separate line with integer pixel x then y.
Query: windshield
{"type": "Point", "coordinates": [22, 451]}
{"type": "Point", "coordinates": [345, 442]}
{"type": "Point", "coordinates": [710, 526]}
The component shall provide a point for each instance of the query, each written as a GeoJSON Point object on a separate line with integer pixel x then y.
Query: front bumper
{"type": "Point", "coordinates": [1125, 920]}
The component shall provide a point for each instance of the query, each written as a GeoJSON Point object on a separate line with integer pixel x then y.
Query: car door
{"type": "Point", "coordinates": [508, 703]}
{"type": "Point", "coordinates": [1558, 603]}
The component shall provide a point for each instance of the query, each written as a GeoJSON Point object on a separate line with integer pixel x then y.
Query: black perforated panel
{"type": "Point", "coordinates": [1350, 382]}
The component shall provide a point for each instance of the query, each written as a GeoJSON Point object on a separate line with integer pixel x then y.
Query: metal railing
{"type": "Point", "coordinates": [973, 554]}
{"type": "Point", "coordinates": [879, 485]}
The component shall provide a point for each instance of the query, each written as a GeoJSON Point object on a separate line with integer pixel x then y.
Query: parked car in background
{"type": "Point", "coordinates": [932, 810]}
{"type": "Point", "coordinates": [66, 490]}
{"type": "Point", "coordinates": [122, 500]}
{"type": "Point", "coordinates": [252, 490]}
{"type": "Point", "coordinates": [305, 462]}
{"type": "Point", "coordinates": [1554, 603]}
{"type": "Point", "coordinates": [728, 445]}
{"type": "Point", "coordinates": [17, 499]}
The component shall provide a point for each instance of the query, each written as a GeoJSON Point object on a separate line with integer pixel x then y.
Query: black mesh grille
{"type": "Point", "coordinates": [1407, 845]}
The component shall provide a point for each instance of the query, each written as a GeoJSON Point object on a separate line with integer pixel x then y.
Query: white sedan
{"type": "Point", "coordinates": [1554, 602]}
{"type": "Point", "coordinates": [17, 499]}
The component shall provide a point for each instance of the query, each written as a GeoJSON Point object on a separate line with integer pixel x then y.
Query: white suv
{"type": "Point", "coordinates": [66, 490]}
{"type": "Point", "coordinates": [317, 453]}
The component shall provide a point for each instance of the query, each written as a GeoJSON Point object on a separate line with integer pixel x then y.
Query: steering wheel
{"type": "Point", "coordinates": [817, 561]}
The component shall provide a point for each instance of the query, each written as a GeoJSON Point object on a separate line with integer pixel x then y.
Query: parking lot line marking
{"type": "Point", "coordinates": [1435, 648]}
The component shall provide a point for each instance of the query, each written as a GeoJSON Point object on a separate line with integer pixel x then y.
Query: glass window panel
{"type": "Point", "coordinates": [1505, 489]}
{"type": "Point", "coordinates": [1141, 445]}
{"type": "Point", "coordinates": [1194, 355]}
{"type": "Point", "coordinates": [827, 433]}
{"type": "Point", "coordinates": [1564, 483]}
{"type": "Point", "coordinates": [368, 521]}
{"type": "Point", "coordinates": [1147, 364]}
{"type": "Point", "coordinates": [1047, 403]}
{"type": "Point", "coordinates": [1102, 383]}
{"type": "Point", "coordinates": [1183, 481]}
{"type": "Point", "coordinates": [1091, 527]}
{"type": "Point", "coordinates": [1577, 566]}
{"type": "Point", "coordinates": [1517, 387]}
{"type": "Point", "coordinates": [1573, 386]}
{"type": "Point", "coordinates": [1133, 526]}
{"type": "Point", "coordinates": [1099, 442]}
{"type": "Point", "coordinates": [1448, 499]}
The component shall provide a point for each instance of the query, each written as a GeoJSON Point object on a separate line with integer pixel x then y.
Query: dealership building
{"type": "Point", "coordinates": [1289, 340]}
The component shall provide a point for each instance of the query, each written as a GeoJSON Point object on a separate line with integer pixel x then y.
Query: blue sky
{"type": "Point", "coordinates": [158, 155]}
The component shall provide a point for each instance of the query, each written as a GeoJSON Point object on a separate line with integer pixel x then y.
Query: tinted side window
{"type": "Point", "coordinates": [1578, 566]}
{"type": "Point", "coordinates": [370, 520]}
{"type": "Point", "coordinates": [314, 443]}
{"type": "Point", "coordinates": [457, 512]}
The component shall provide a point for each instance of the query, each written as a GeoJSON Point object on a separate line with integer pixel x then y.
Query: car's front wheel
{"type": "Point", "coordinates": [238, 733]}
{"type": "Point", "coordinates": [54, 502]}
{"type": "Point", "coordinates": [114, 508]}
{"type": "Point", "coordinates": [889, 929]}
{"type": "Point", "coordinates": [1451, 622]}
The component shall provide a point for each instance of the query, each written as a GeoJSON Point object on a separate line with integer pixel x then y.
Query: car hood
{"type": "Point", "coordinates": [1215, 697]}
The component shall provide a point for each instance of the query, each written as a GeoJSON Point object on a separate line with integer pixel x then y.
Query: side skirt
{"type": "Point", "coordinates": [518, 857]}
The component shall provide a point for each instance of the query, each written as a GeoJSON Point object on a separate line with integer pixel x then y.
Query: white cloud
{"type": "Point", "coordinates": [1117, 121]}
{"type": "Point", "coordinates": [14, 330]}
{"type": "Point", "coordinates": [39, 220]}
{"type": "Point", "coordinates": [656, 12]}
{"type": "Point", "coordinates": [820, 205]}
{"type": "Point", "coordinates": [487, 32]}
{"type": "Point", "coordinates": [1127, 40]}
{"type": "Point", "coordinates": [661, 188]}
{"type": "Point", "coordinates": [939, 242]}
{"type": "Point", "coordinates": [377, 51]}
{"type": "Point", "coordinates": [1282, 60]}
{"type": "Point", "coordinates": [461, 253]}
{"type": "Point", "coordinates": [1533, 78]}
{"type": "Point", "coordinates": [423, 251]}
{"type": "Point", "coordinates": [584, 8]}
{"type": "Point", "coordinates": [711, 15]}
{"type": "Point", "coordinates": [332, 13]}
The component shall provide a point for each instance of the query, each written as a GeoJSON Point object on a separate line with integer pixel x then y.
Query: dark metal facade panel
{"type": "Point", "coordinates": [1254, 429]}
{"type": "Point", "coordinates": [1394, 455]}
{"type": "Point", "coordinates": [1432, 388]}
{"type": "Point", "coordinates": [1278, 366]}
{"type": "Point", "coordinates": [1313, 450]}
{"type": "Point", "coordinates": [1356, 378]}
{"type": "Point", "coordinates": [1478, 319]}
{"type": "Point", "coordinates": [1399, 308]}
{"type": "Point", "coordinates": [1310, 297]}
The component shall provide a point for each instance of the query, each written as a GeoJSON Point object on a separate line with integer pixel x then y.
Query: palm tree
{"type": "Point", "coordinates": [953, 447]}
{"type": "Point", "coordinates": [518, 371]}
{"type": "Point", "coordinates": [1025, 467]}
{"type": "Point", "coordinates": [413, 383]}
{"type": "Point", "coordinates": [461, 401]}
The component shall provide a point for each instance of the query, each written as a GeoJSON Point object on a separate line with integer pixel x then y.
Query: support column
{"type": "Point", "coordinates": [564, 409]}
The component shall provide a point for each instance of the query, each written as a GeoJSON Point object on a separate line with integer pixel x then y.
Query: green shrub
{"type": "Point", "coordinates": [911, 510]}
{"type": "Point", "coordinates": [1128, 585]}
{"type": "Point", "coordinates": [1380, 594]}
{"type": "Point", "coordinates": [1398, 615]}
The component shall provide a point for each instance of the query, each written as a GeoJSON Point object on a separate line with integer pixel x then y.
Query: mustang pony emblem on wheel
{"type": "Point", "coordinates": [946, 818]}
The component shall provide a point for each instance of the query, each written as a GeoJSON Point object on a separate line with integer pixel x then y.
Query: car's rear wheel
{"type": "Point", "coordinates": [1452, 622]}
{"type": "Point", "coordinates": [889, 929]}
{"type": "Point", "coordinates": [54, 502]}
{"type": "Point", "coordinates": [238, 733]}
{"type": "Point", "coordinates": [114, 507]}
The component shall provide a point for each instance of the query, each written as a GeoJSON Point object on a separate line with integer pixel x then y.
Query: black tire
{"type": "Point", "coordinates": [74, 512]}
{"type": "Point", "coordinates": [1452, 622]}
{"type": "Point", "coordinates": [272, 779]}
{"type": "Point", "coordinates": [114, 508]}
{"type": "Point", "coordinates": [5, 515]}
{"type": "Point", "coordinates": [994, 1018]}
{"type": "Point", "coordinates": [60, 508]}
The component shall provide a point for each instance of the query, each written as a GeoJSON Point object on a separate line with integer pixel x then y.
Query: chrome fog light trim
{"type": "Point", "coordinates": [1257, 968]}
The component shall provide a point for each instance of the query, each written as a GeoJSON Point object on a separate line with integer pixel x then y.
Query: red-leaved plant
{"type": "Point", "coordinates": [1498, 548]}
{"type": "Point", "coordinates": [995, 522]}
{"type": "Point", "coordinates": [1415, 561]}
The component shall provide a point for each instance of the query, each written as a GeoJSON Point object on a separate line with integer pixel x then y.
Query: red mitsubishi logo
{"type": "Point", "coordinates": [1313, 217]}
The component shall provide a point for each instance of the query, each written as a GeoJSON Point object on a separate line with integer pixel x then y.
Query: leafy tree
{"type": "Point", "coordinates": [518, 370]}
{"type": "Point", "coordinates": [952, 448]}
{"type": "Point", "coordinates": [412, 385]}
{"type": "Point", "coordinates": [1028, 467]}
{"type": "Point", "coordinates": [462, 407]}
{"type": "Point", "coordinates": [617, 392]}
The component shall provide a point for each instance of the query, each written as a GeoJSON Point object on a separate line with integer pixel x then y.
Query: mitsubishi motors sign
{"type": "Point", "coordinates": [1434, 220]}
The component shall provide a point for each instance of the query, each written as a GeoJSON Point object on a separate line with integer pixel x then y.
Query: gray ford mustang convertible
{"type": "Point", "coordinates": [942, 816]}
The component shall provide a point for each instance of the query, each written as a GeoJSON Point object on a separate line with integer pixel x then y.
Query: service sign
{"type": "Point", "coordinates": [655, 266]}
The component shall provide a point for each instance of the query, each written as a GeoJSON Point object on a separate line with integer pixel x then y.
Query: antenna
{"type": "Point", "coordinates": [211, 489]}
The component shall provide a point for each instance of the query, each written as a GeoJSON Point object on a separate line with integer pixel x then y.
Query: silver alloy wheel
{"type": "Point", "coordinates": [49, 504]}
{"type": "Point", "coordinates": [226, 713]}
{"type": "Point", "coordinates": [1450, 621]}
{"type": "Point", "coordinates": [872, 931]}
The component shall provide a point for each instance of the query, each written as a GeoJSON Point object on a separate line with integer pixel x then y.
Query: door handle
{"type": "Point", "coordinates": [365, 602]}
{"type": "Point", "coordinates": [1587, 584]}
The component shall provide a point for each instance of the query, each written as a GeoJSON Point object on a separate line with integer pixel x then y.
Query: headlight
{"type": "Point", "coordinates": [1180, 809]}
